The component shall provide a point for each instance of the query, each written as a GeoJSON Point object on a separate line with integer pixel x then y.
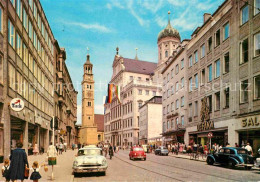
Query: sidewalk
{"type": "Point", "coordinates": [62, 171]}
{"type": "Point", "coordinates": [186, 156]}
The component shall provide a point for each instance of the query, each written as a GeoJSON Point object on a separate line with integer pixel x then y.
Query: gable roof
{"type": "Point", "coordinates": [137, 66]}
{"type": "Point", "coordinates": [99, 120]}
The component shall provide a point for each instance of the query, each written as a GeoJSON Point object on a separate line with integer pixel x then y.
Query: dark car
{"type": "Point", "coordinates": [161, 151]}
{"type": "Point", "coordinates": [232, 157]}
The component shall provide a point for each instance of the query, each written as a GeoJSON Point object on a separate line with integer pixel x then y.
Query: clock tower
{"type": "Point", "coordinates": [88, 131]}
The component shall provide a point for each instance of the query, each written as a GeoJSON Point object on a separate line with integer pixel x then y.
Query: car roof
{"type": "Point", "coordinates": [234, 148]}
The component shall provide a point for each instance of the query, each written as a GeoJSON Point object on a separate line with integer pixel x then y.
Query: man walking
{"type": "Point", "coordinates": [249, 149]}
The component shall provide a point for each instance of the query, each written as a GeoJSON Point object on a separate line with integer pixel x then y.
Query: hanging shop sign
{"type": "Point", "coordinates": [205, 124]}
{"type": "Point", "coordinates": [250, 121]}
{"type": "Point", "coordinates": [17, 104]}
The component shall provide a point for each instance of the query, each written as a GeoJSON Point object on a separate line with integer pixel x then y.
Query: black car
{"type": "Point", "coordinates": [232, 157]}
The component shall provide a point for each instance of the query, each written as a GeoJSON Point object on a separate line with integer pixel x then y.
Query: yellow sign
{"type": "Point", "coordinates": [250, 121]}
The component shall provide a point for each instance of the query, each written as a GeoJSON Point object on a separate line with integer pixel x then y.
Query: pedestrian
{"type": "Point", "coordinates": [18, 162]}
{"type": "Point", "coordinates": [52, 152]}
{"type": "Point", "coordinates": [57, 147]}
{"type": "Point", "coordinates": [236, 145]}
{"type": "Point", "coordinates": [249, 149]}
{"type": "Point", "coordinates": [5, 170]}
{"type": "Point", "coordinates": [60, 148]}
{"type": "Point", "coordinates": [114, 148]}
{"type": "Point", "coordinates": [35, 176]}
{"type": "Point", "coordinates": [65, 146]}
{"type": "Point", "coordinates": [73, 146]}
{"type": "Point", "coordinates": [35, 149]}
{"type": "Point", "coordinates": [228, 145]}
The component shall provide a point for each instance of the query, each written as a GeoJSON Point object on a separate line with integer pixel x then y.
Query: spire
{"type": "Point", "coordinates": [136, 58]}
{"type": "Point", "coordinates": [88, 57]}
{"type": "Point", "coordinates": [169, 19]}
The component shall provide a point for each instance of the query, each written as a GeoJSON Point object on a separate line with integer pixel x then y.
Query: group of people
{"type": "Point", "coordinates": [16, 167]}
{"type": "Point", "coordinates": [60, 147]}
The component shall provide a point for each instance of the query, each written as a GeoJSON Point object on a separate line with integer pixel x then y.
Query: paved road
{"type": "Point", "coordinates": [167, 168]}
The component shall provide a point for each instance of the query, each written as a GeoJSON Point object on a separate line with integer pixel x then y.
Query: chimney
{"type": "Point", "coordinates": [206, 16]}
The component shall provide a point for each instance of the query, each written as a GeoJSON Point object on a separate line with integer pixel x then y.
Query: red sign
{"type": "Point", "coordinates": [210, 135]}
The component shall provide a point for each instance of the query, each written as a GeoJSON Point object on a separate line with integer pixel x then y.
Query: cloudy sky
{"type": "Point", "coordinates": [102, 25]}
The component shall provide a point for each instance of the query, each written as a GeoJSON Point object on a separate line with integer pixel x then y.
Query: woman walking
{"type": "Point", "coordinates": [18, 162]}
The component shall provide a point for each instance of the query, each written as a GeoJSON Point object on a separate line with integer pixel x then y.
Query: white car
{"type": "Point", "coordinates": [89, 159]}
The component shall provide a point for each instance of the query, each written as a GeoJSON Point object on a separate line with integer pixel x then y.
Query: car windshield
{"type": "Point", "coordinates": [241, 151]}
{"type": "Point", "coordinates": [138, 149]}
{"type": "Point", "coordinates": [89, 152]}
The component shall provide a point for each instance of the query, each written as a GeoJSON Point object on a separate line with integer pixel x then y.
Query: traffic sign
{"type": "Point", "coordinates": [210, 135]}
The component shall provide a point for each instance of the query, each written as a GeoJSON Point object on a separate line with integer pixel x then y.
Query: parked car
{"type": "Point", "coordinates": [258, 159]}
{"type": "Point", "coordinates": [137, 153]}
{"type": "Point", "coordinates": [89, 159]}
{"type": "Point", "coordinates": [231, 156]}
{"type": "Point", "coordinates": [162, 150]}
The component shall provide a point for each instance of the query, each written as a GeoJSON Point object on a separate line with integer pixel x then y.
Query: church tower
{"type": "Point", "coordinates": [88, 131]}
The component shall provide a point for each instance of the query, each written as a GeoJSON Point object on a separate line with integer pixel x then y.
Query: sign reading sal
{"type": "Point", "coordinates": [17, 104]}
{"type": "Point", "coordinates": [250, 121]}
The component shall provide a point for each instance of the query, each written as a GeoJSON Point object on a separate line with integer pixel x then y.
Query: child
{"type": "Point", "coordinates": [5, 170]}
{"type": "Point", "coordinates": [35, 176]}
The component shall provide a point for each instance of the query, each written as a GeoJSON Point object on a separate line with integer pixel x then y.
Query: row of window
{"type": "Point", "coordinates": [172, 124]}
{"type": "Point", "coordinates": [120, 124]}
{"type": "Point", "coordinates": [171, 75]}
{"type": "Point", "coordinates": [169, 108]}
{"type": "Point", "coordinates": [171, 90]}
{"type": "Point", "coordinates": [147, 92]}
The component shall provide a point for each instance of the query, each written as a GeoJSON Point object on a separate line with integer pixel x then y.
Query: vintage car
{"type": "Point", "coordinates": [89, 159]}
{"type": "Point", "coordinates": [162, 150]}
{"type": "Point", "coordinates": [137, 153]}
{"type": "Point", "coordinates": [231, 156]}
{"type": "Point", "coordinates": [258, 159]}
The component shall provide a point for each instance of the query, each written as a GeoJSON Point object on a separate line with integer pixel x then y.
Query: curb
{"type": "Point", "coordinates": [186, 158]}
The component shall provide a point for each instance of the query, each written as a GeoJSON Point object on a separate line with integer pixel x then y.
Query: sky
{"type": "Point", "coordinates": [102, 25]}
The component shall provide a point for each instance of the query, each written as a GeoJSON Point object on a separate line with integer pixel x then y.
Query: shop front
{"type": "Point", "coordinates": [248, 130]}
{"type": "Point", "coordinates": [174, 136]}
{"type": "Point", "coordinates": [17, 131]}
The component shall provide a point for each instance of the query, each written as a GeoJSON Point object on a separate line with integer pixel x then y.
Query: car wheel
{"type": "Point", "coordinates": [103, 173]}
{"type": "Point", "coordinates": [248, 167]}
{"type": "Point", "coordinates": [144, 159]}
{"type": "Point", "coordinates": [231, 164]}
{"type": "Point", "coordinates": [130, 158]}
{"type": "Point", "coordinates": [210, 161]}
{"type": "Point", "coordinates": [75, 174]}
{"type": "Point", "coordinates": [166, 154]}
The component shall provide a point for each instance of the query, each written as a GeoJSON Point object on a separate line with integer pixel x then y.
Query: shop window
{"type": "Point", "coordinates": [196, 56]}
{"type": "Point", "coordinates": [202, 51]}
{"type": "Point", "coordinates": [257, 44]}
{"type": "Point", "coordinates": [226, 31]}
{"type": "Point", "coordinates": [209, 44]}
{"type": "Point", "coordinates": [257, 87]}
{"type": "Point", "coordinates": [226, 94]}
{"type": "Point", "coordinates": [244, 14]}
{"type": "Point", "coordinates": [226, 62]}
{"type": "Point", "coordinates": [202, 78]}
{"type": "Point", "coordinates": [217, 68]}
{"type": "Point", "coordinates": [217, 101]}
{"type": "Point", "coordinates": [217, 38]}
{"type": "Point", "coordinates": [244, 51]}
{"type": "Point", "coordinates": [244, 91]}
{"type": "Point", "coordinates": [210, 103]}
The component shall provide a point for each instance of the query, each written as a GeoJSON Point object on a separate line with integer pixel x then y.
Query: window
{"type": "Point", "coordinates": [257, 44]}
{"type": "Point", "coordinates": [209, 44]}
{"type": "Point", "coordinates": [196, 80]}
{"type": "Point", "coordinates": [19, 48]}
{"type": "Point", "coordinates": [25, 55]}
{"type": "Point", "coordinates": [172, 106]}
{"type": "Point", "coordinates": [196, 108]}
{"type": "Point", "coordinates": [31, 3]}
{"type": "Point", "coordinates": [164, 126]}
{"type": "Point", "coordinates": [89, 104]}
{"type": "Point", "coordinates": [202, 51]}
{"type": "Point", "coordinates": [168, 125]}
{"type": "Point", "coordinates": [140, 92]}
{"type": "Point", "coordinates": [190, 61]}
{"type": "Point", "coordinates": [177, 86]}
{"type": "Point", "coordinates": [226, 62]}
{"type": "Point", "coordinates": [257, 87]}
{"type": "Point", "coordinates": [25, 20]}
{"type": "Point", "coordinates": [166, 54]}
{"type": "Point", "coordinates": [210, 103]}
{"type": "Point", "coordinates": [168, 108]}
{"type": "Point", "coordinates": [13, 2]}
{"type": "Point", "coordinates": [182, 101]}
{"type": "Point", "coordinates": [164, 111]}
{"type": "Point", "coordinates": [19, 9]}
{"type": "Point", "coordinates": [190, 110]}
{"type": "Point", "coordinates": [257, 7]}
{"type": "Point", "coordinates": [177, 121]}
{"type": "Point", "coordinates": [190, 84]}
{"type": "Point", "coordinates": [1, 70]}
{"type": "Point", "coordinates": [131, 78]}
{"type": "Point", "coordinates": [168, 77]}
{"type": "Point", "coordinates": [202, 79]}
{"type": "Point", "coordinates": [226, 94]}
{"type": "Point", "coordinates": [210, 73]}
{"type": "Point", "coordinates": [226, 31]}
{"type": "Point", "coordinates": [154, 93]}
{"type": "Point", "coordinates": [139, 104]}
{"type": "Point", "coordinates": [172, 88]}
{"type": "Point", "coordinates": [244, 91]}
{"type": "Point", "coordinates": [172, 73]}
{"type": "Point", "coordinates": [182, 120]}
{"type": "Point", "coordinates": [217, 68]}
{"type": "Point", "coordinates": [169, 93]}
{"type": "Point", "coordinates": [139, 78]}
{"type": "Point", "coordinates": [217, 101]}
{"type": "Point", "coordinates": [35, 11]}
{"type": "Point", "coordinates": [30, 29]}
{"type": "Point", "coordinates": [182, 82]}
{"type": "Point", "coordinates": [182, 63]}
{"type": "Point", "coordinates": [11, 34]}
{"type": "Point", "coordinates": [177, 104]}
{"type": "Point", "coordinates": [147, 92]}
{"type": "Point", "coordinates": [173, 126]}
{"type": "Point", "coordinates": [11, 75]}
{"type": "Point", "coordinates": [1, 20]}
{"type": "Point", "coordinates": [244, 51]}
{"type": "Point", "coordinates": [244, 15]}
{"type": "Point", "coordinates": [196, 56]}
{"type": "Point", "coordinates": [177, 69]}
{"type": "Point", "coordinates": [217, 38]}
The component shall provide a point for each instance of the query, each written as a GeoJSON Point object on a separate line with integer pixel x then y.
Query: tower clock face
{"type": "Point", "coordinates": [89, 94]}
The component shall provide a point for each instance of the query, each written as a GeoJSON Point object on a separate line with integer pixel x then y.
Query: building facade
{"type": "Point", "coordinates": [121, 120]}
{"type": "Point", "coordinates": [99, 120]}
{"type": "Point", "coordinates": [65, 100]}
{"type": "Point", "coordinates": [88, 130]}
{"type": "Point", "coordinates": [150, 127]}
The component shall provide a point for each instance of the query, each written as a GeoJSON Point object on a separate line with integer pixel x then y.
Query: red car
{"type": "Point", "coordinates": [137, 153]}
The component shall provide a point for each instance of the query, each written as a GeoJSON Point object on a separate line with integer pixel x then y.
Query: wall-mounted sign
{"type": "Point", "coordinates": [207, 125]}
{"type": "Point", "coordinates": [17, 104]}
{"type": "Point", "coordinates": [250, 121]}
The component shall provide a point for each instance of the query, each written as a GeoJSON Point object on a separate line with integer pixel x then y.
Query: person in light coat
{"type": "Point", "coordinates": [52, 152]}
